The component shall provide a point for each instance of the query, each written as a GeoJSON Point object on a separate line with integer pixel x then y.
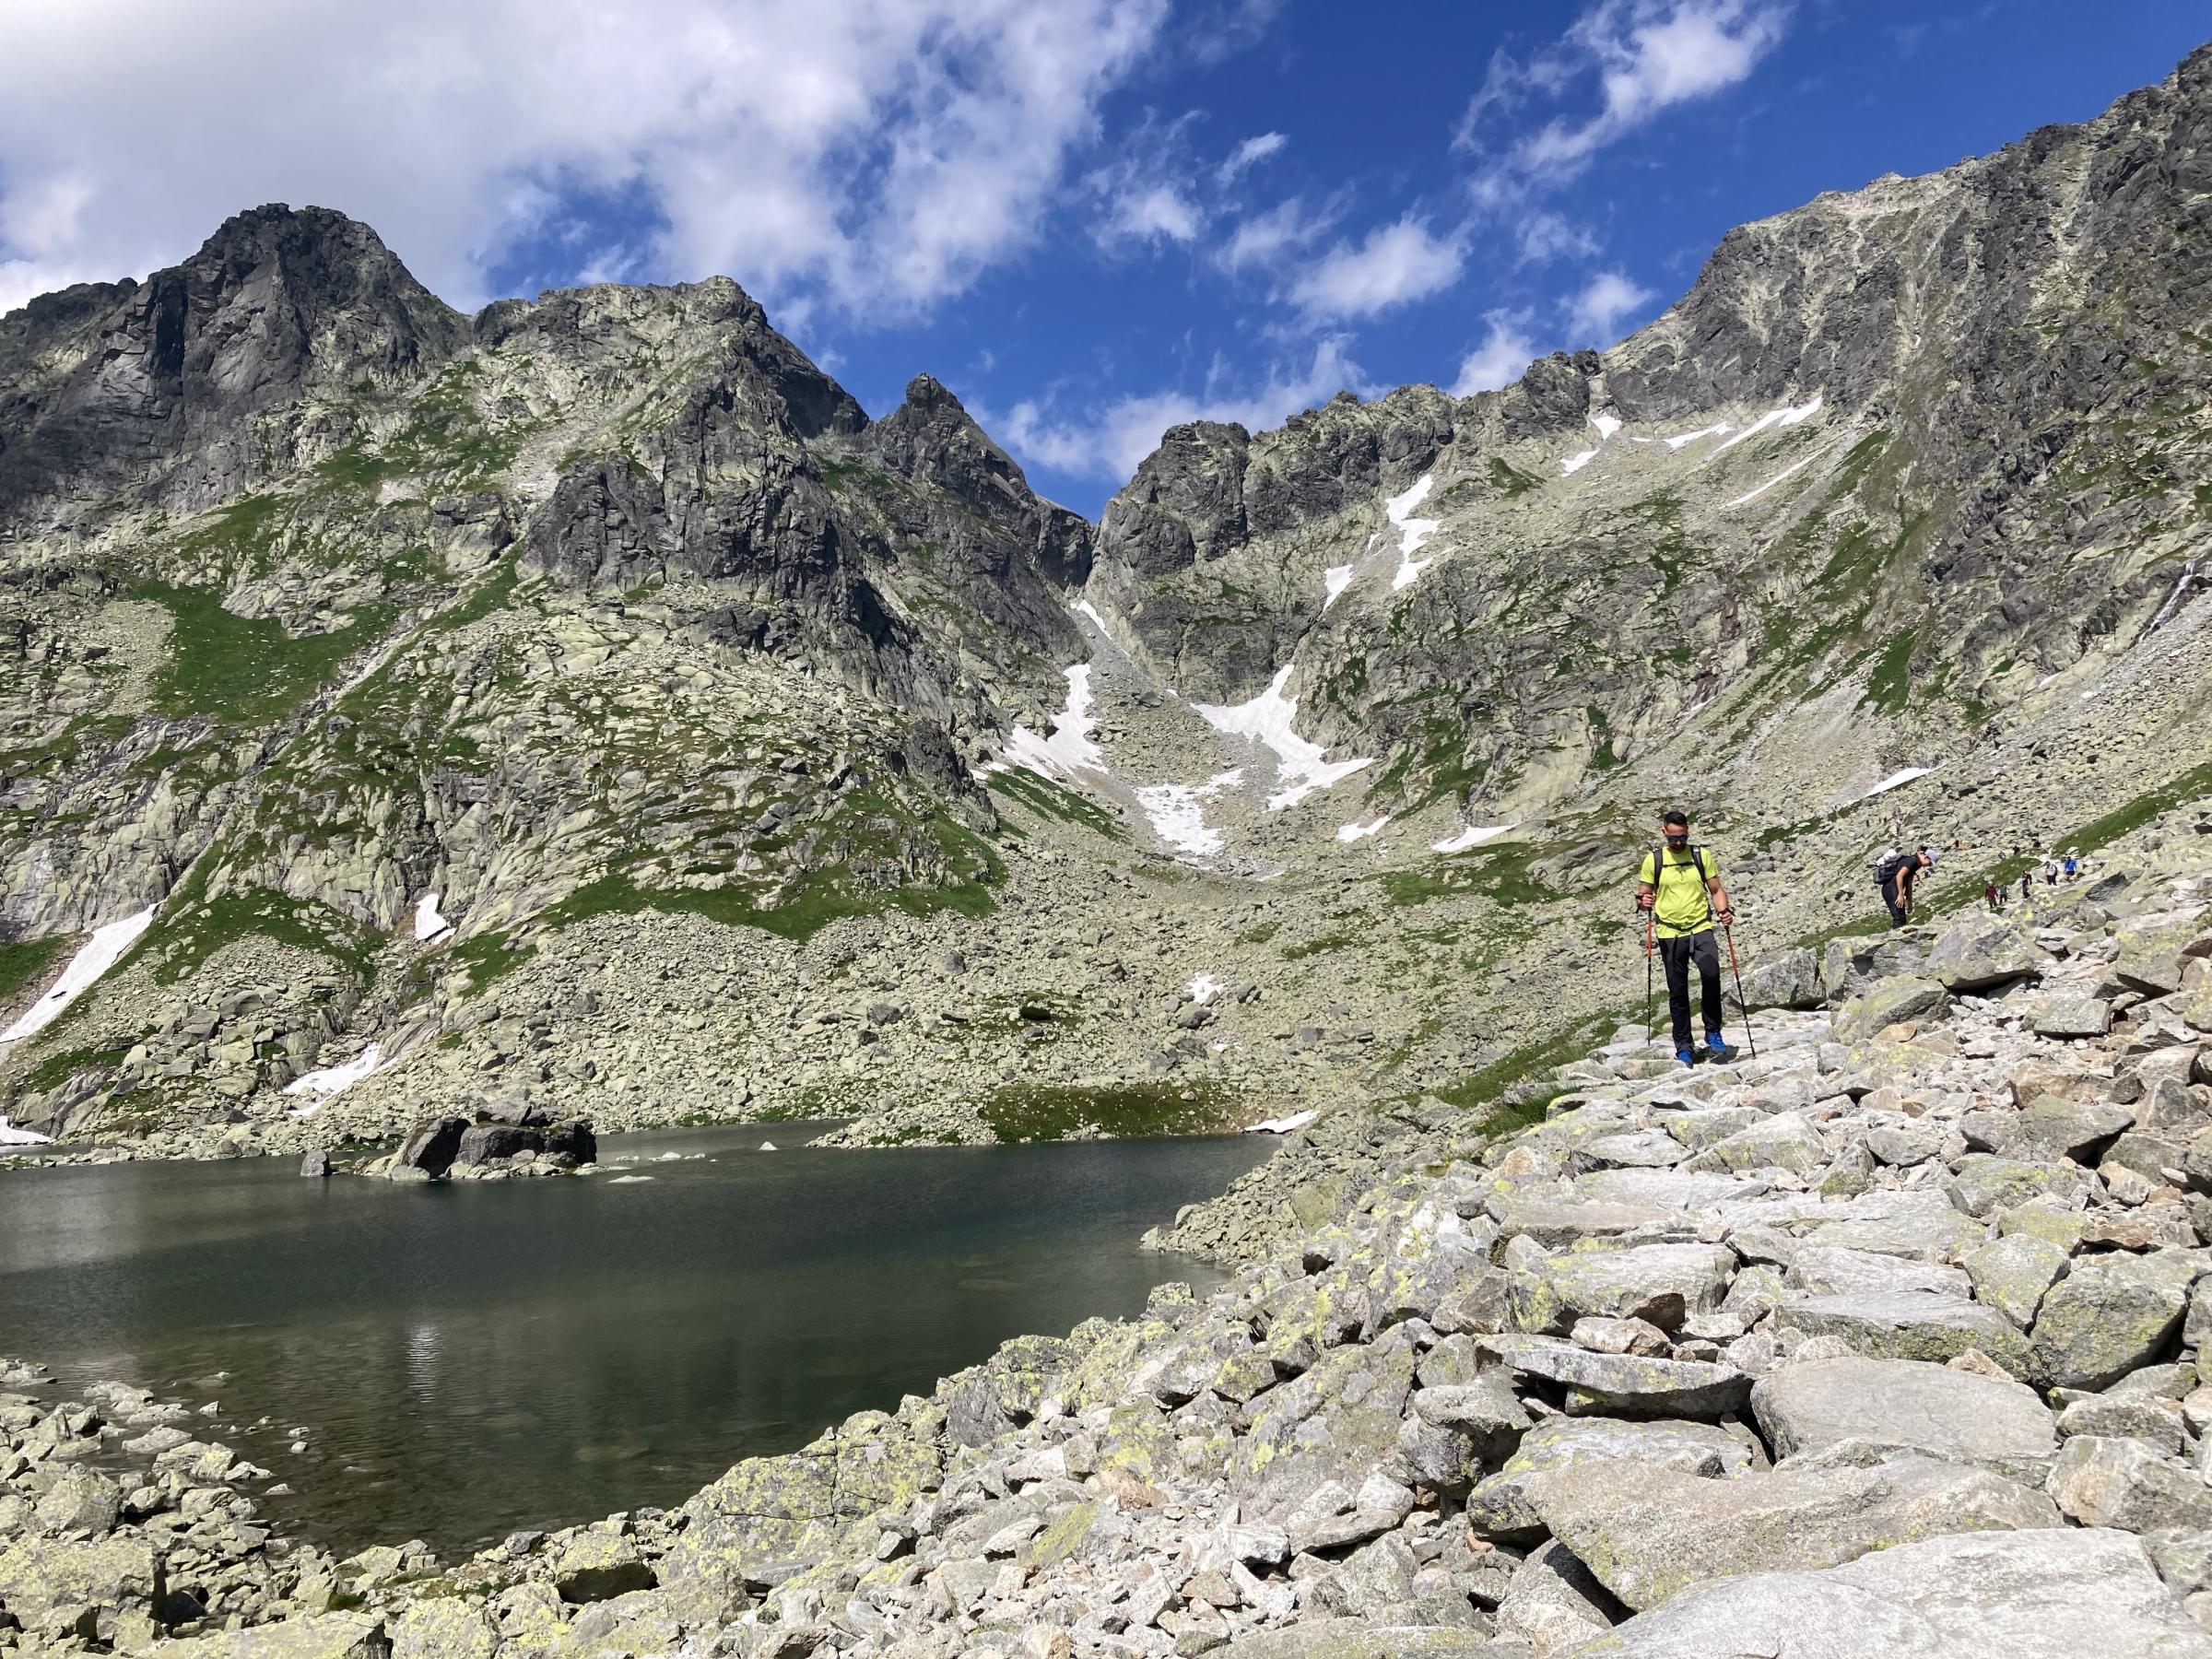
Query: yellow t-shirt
{"type": "Point", "coordinates": [1684, 906]}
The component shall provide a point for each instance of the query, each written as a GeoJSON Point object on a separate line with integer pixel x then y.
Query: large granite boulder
{"type": "Point", "coordinates": [1959, 1416]}
{"type": "Point", "coordinates": [1980, 950]}
{"type": "Point", "coordinates": [1650, 1534]}
{"type": "Point", "coordinates": [2057, 1593]}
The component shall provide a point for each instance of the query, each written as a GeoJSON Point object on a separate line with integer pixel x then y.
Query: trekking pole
{"type": "Point", "coordinates": [1648, 1032]}
{"type": "Point", "coordinates": [1744, 1007]}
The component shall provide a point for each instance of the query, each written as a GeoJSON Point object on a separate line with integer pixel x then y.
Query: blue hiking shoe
{"type": "Point", "coordinates": [1688, 1056]}
{"type": "Point", "coordinates": [1716, 1047]}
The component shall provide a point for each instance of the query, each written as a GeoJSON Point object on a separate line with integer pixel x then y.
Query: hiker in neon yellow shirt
{"type": "Point", "coordinates": [1680, 884]}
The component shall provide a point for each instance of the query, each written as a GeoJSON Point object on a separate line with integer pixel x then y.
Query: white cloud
{"type": "Point", "coordinates": [1158, 211]}
{"type": "Point", "coordinates": [1397, 263]}
{"type": "Point", "coordinates": [1543, 237]}
{"type": "Point", "coordinates": [1263, 239]}
{"type": "Point", "coordinates": [1647, 57]}
{"type": "Point", "coordinates": [1245, 155]}
{"type": "Point", "coordinates": [880, 153]}
{"type": "Point", "coordinates": [1607, 300]}
{"type": "Point", "coordinates": [1111, 440]}
{"type": "Point", "coordinates": [1506, 350]}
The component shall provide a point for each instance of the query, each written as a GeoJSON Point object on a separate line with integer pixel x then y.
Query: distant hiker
{"type": "Point", "coordinates": [1993, 896]}
{"type": "Point", "coordinates": [2073, 867]}
{"type": "Point", "coordinates": [1680, 886]}
{"type": "Point", "coordinates": [1895, 875]}
{"type": "Point", "coordinates": [2050, 873]}
{"type": "Point", "coordinates": [2027, 885]}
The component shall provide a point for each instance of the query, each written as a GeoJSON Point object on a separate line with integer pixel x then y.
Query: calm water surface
{"type": "Point", "coordinates": [468, 1359]}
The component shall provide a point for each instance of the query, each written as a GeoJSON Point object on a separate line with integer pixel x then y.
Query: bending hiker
{"type": "Point", "coordinates": [1680, 886]}
{"type": "Point", "coordinates": [1991, 897]}
{"type": "Point", "coordinates": [1895, 875]}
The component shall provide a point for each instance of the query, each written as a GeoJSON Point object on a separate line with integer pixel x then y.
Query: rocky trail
{"type": "Point", "coordinates": [1884, 1341]}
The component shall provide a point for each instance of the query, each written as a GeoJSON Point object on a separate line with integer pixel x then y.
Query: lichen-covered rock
{"type": "Point", "coordinates": [1980, 950]}
{"type": "Point", "coordinates": [1649, 1533]}
{"type": "Point", "coordinates": [2014, 1273]}
{"type": "Point", "coordinates": [2125, 1483]}
{"type": "Point", "coordinates": [1958, 1416]}
{"type": "Point", "coordinates": [2110, 1315]}
{"type": "Point", "coordinates": [1906, 1326]}
{"type": "Point", "coordinates": [1888, 1003]}
{"type": "Point", "coordinates": [1623, 1384]}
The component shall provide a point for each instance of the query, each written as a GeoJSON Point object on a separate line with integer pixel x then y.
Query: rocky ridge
{"type": "Point", "coordinates": [1886, 1340]}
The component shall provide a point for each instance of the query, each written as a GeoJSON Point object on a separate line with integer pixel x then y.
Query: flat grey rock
{"type": "Point", "coordinates": [1907, 1324]}
{"type": "Point", "coordinates": [1624, 1384]}
{"type": "Point", "coordinates": [1961, 1417]}
{"type": "Point", "coordinates": [2063, 1593]}
{"type": "Point", "coordinates": [1650, 1534]}
{"type": "Point", "coordinates": [1499, 1506]}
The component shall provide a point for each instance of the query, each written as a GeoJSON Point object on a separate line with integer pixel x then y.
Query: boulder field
{"type": "Point", "coordinates": [1883, 1342]}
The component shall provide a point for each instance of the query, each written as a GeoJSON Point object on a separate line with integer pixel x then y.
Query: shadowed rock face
{"type": "Point", "coordinates": [152, 384]}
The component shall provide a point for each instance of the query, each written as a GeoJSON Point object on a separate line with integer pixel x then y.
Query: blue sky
{"type": "Point", "coordinates": [1090, 217]}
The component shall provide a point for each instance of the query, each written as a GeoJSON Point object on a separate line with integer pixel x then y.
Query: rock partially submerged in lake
{"type": "Point", "coordinates": [117, 1527]}
{"type": "Point", "coordinates": [453, 1149]}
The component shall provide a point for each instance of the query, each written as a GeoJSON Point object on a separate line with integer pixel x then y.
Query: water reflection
{"type": "Point", "coordinates": [472, 1359]}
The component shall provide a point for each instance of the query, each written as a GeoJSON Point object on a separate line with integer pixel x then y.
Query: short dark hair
{"type": "Point", "coordinates": [1675, 816]}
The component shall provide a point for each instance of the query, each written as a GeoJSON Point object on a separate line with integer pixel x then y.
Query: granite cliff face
{"type": "Point", "coordinates": [587, 700]}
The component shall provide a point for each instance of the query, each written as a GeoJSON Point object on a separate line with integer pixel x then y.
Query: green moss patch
{"type": "Point", "coordinates": [1050, 1111]}
{"type": "Point", "coordinates": [24, 962]}
{"type": "Point", "coordinates": [1045, 798]}
{"type": "Point", "coordinates": [182, 937]}
{"type": "Point", "coordinates": [245, 670]}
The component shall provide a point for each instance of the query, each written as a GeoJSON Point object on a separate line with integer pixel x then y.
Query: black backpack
{"type": "Point", "coordinates": [1885, 873]}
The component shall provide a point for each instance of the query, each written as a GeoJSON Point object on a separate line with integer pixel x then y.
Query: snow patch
{"type": "Point", "coordinates": [428, 923]}
{"type": "Point", "coordinates": [1474, 835]}
{"type": "Point", "coordinates": [1085, 608]}
{"type": "Point", "coordinates": [1352, 833]}
{"type": "Point", "coordinates": [1301, 767]}
{"type": "Point", "coordinates": [1753, 495]}
{"type": "Point", "coordinates": [1413, 531]}
{"type": "Point", "coordinates": [1783, 416]}
{"type": "Point", "coordinates": [1178, 811]}
{"type": "Point", "coordinates": [1896, 779]}
{"type": "Point", "coordinates": [1069, 749]}
{"type": "Point", "coordinates": [1574, 463]}
{"type": "Point", "coordinates": [98, 954]}
{"type": "Point", "coordinates": [330, 1079]}
{"type": "Point", "coordinates": [1607, 426]}
{"type": "Point", "coordinates": [12, 1137]}
{"type": "Point", "coordinates": [1282, 1126]}
{"type": "Point", "coordinates": [1336, 579]}
{"type": "Point", "coordinates": [1719, 429]}
{"type": "Point", "coordinates": [1204, 988]}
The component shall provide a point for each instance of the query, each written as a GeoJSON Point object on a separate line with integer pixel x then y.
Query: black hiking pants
{"type": "Point", "coordinates": [1679, 953]}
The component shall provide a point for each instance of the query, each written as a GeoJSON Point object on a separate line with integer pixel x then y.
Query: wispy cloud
{"type": "Point", "coordinates": [1394, 265]}
{"type": "Point", "coordinates": [1644, 56]}
{"type": "Point", "coordinates": [1595, 314]}
{"type": "Point", "coordinates": [1245, 155]}
{"type": "Point", "coordinates": [1263, 239]}
{"type": "Point", "coordinates": [1506, 349]}
{"type": "Point", "coordinates": [1109, 440]}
